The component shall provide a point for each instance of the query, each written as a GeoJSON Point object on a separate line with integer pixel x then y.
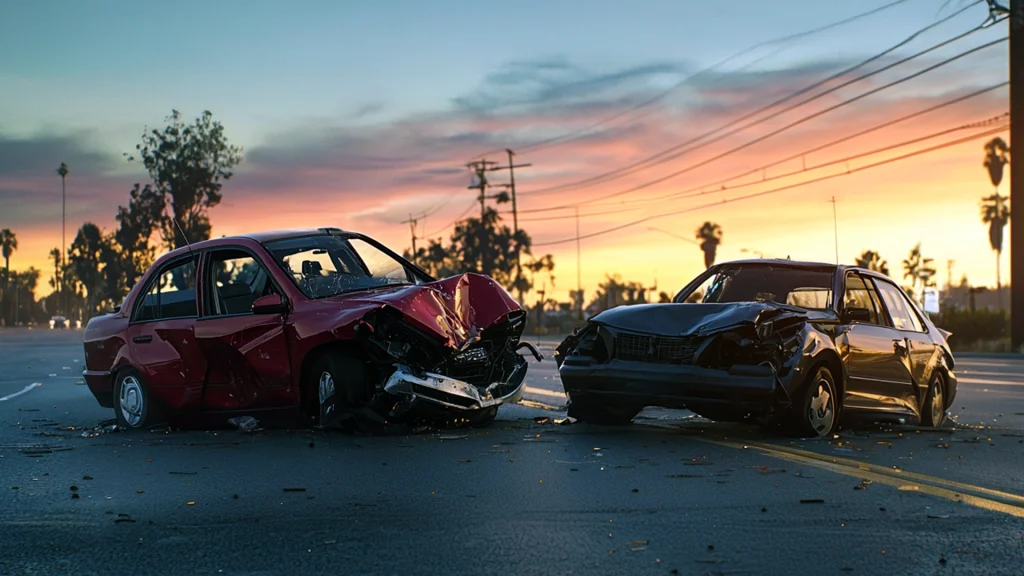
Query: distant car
{"type": "Point", "coordinates": [58, 322]}
{"type": "Point", "coordinates": [769, 340]}
{"type": "Point", "coordinates": [328, 322]}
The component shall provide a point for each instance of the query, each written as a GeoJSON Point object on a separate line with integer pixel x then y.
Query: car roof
{"type": "Point", "coordinates": [261, 237]}
{"type": "Point", "coordinates": [802, 265]}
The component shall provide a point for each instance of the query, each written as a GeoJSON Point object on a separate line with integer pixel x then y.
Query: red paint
{"type": "Point", "coordinates": [254, 361]}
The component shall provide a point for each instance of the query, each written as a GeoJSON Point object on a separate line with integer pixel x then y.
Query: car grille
{"type": "Point", "coordinates": [656, 349]}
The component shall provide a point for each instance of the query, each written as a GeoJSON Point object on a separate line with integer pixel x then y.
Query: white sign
{"type": "Point", "coordinates": [931, 300]}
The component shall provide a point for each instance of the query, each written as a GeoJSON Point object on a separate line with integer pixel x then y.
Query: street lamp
{"type": "Point", "coordinates": [63, 171]}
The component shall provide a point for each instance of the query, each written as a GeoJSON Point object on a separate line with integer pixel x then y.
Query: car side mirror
{"type": "Point", "coordinates": [269, 304]}
{"type": "Point", "coordinates": [856, 315]}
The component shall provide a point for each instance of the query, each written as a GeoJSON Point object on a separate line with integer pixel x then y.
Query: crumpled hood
{"type": "Point", "coordinates": [693, 318]}
{"type": "Point", "coordinates": [456, 309]}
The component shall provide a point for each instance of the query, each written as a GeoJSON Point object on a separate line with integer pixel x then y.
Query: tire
{"type": "Point", "coordinates": [818, 408]}
{"type": "Point", "coordinates": [134, 406]}
{"type": "Point", "coordinates": [483, 418]}
{"type": "Point", "coordinates": [591, 412]}
{"type": "Point", "coordinates": [336, 382]}
{"type": "Point", "coordinates": [933, 413]}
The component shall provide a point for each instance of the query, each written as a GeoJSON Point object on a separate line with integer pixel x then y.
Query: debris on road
{"type": "Point", "coordinates": [565, 421]}
{"type": "Point", "coordinates": [245, 423]}
{"type": "Point", "coordinates": [812, 500]}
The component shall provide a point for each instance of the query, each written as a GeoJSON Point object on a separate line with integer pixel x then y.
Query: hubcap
{"type": "Point", "coordinates": [326, 389]}
{"type": "Point", "coordinates": [937, 403]}
{"type": "Point", "coordinates": [131, 401]}
{"type": "Point", "coordinates": [821, 411]}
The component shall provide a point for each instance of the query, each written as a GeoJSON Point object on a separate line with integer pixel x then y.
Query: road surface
{"type": "Point", "coordinates": [672, 494]}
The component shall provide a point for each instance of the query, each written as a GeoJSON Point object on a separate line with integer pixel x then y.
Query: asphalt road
{"type": "Point", "coordinates": [672, 494]}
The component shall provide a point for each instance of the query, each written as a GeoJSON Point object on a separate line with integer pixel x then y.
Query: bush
{"type": "Point", "coordinates": [981, 330]}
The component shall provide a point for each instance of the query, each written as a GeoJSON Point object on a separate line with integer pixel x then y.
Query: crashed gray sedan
{"type": "Point", "coordinates": [765, 340]}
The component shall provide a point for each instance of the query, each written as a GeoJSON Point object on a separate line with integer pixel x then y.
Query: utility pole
{"type": "Point", "coordinates": [1016, 170]}
{"type": "Point", "coordinates": [412, 222]}
{"type": "Point", "coordinates": [579, 275]}
{"type": "Point", "coordinates": [835, 227]}
{"type": "Point", "coordinates": [480, 169]}
{"type": "Point", "coordinates": [515, 214]}
{"type": "Point", "coordinates": [949, 275]}
{"type": "Point", "coordinates": [63, 171]}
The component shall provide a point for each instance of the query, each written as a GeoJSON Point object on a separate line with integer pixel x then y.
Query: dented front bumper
{"type": "Point", "coordinates": [443, 391]}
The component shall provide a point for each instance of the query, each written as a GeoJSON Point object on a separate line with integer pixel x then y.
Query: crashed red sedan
{"type": "Point", "coordinates": [328, 322]}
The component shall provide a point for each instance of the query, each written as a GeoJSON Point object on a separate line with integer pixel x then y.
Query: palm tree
{"type": "Point", "coordinates": [919, 270]}
{"type": "Point", "coordinates": [55, 255]}
{"type": "Point", "coordinates": [8, 244]}
{"type": "Point", "coordinates": [994, 210]}
{"type": "Point", "coordinates": [873, 261]}
{"type": "Point", "coordinates": [710, 236]}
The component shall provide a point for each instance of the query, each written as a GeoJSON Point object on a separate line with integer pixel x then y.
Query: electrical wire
{"type": "Point", "coordinates": [680, 149]}
{"type": "Point", "coordinates": [803, 153]}
{"type": "Point", "coordinates": [777, 190]}
{"type": "Point", "coordinates": [792, 173]}
{"type": "Point", "coordinates": [573, 135]}
{"type": "Point", "coordinates": [453, 222]}
{"type": "Point", "coordinates": [800, 121]}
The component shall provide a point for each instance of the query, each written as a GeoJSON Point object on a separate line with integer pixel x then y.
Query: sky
{"type": "Point", "coordinates": [358, 114]}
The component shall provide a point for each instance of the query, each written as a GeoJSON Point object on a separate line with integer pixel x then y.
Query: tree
{"type": "Point", "coordinates": [8, 244]}
{"type": "Point", "coordinates": [873, 261]}
{"type": "Point", "coordinates": [88, 252]}
{"type": "Point", "coordinates": [486, 246]}
{"type": "Point", "coordinates": [137, 222]}
{"type": "Point", "coordinates": [710, 236]}
{"type": "Point", "coordinates": [55, 256]}
{"type": "Point", "coordinates": [919, 270]}
{"type": "Point", "coordinates": [188, 164]}
{"type": "Point", "coordinates": [614, 292]}
{"type": "Point", "coordinates": [996, 152]}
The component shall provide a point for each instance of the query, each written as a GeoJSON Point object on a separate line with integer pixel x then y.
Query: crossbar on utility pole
{"type": "Point", "coordinates": [1016, 173]}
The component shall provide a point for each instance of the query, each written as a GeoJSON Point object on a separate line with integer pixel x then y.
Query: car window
{"type": "Point", "coordinates": [764, 283]}
{"type": "Point", "coordinates": [379, 264]}
{"type": "Point", "coordinates": [900, 310]}
{"type": "Point", "coordinates": [237, 279]}
{"type": "Point", "coordinates": [861, 294]}
{"type": "Point", "coordinates": [171, 294]}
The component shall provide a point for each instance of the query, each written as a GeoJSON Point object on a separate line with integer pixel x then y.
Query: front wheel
{"type": "Point", "coordinates": [134, 406]}
{"type": "Point", "coordinates": [819, 406]}
{"type": "Point", "coordinates": [591, 412]}
{"type": "Point", "coordinates": [335, 383]}
{"type": "Point", "coordinates": [933, 413]}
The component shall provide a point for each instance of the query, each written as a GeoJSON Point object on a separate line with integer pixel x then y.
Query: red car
{"type": "Point", "coordinates": [329, 322]}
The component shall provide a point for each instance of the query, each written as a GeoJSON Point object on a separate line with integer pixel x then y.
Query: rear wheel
{"type": "Point", "coordinates": [933, 414]}
{"type": "Point", "coordinates": [591, 412]}
{"type": "Point", "coordinates": [818, 407]}
{"type": "Point", "coordinates": [134, 406]}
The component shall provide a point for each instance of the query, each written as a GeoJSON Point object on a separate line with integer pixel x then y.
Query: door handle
{"type": "Point", "coordinates": [142, 339]}
{"type": "Point", "coordinates": [900, 347]}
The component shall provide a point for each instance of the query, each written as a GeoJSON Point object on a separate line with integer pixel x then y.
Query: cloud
{"type": "Point", "coordinates": [42, 154]}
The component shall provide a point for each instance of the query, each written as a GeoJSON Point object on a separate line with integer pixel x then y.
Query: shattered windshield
{"type": "Point", "coordinates": [811, 289]}
{"type": "Point", "coordinates": [324, 266]}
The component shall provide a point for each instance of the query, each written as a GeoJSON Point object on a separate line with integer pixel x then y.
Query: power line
{"type": "Point", "coordinates": [801, 154]}
{"type": "Point", "coordinates": [674, 151]}
{"type": "Point", "coordinates": [792, 173]}
{"type": "Point", "coordinates": [573, 135]}
{"type": "Point", "coordinates": [781, 188]}
{"type": "Point", "coordinates": [804, 119]}
{"type": "Point", "coordinates": [453, 222]}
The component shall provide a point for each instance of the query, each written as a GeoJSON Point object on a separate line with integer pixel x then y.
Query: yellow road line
{"type": "Point", "coordinates": [980, 497]}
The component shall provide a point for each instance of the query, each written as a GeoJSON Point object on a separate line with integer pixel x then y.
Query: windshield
{"type": "Point", "coordinates": [810, 289]}
{"type": "Point", "coordinates": [324, 266]}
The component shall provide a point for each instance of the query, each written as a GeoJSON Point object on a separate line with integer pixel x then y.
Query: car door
{"type": "Point", "coordinates": [874, 362]}
{"type": "Point", "coordinates": [161, 335]}
{"type": "Point", "coordinates": [247, 352]}
{"type": "Point", "coordinates": [917, 348]}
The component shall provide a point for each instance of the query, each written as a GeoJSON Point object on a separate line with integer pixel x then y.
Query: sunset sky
{"type": "Point", "coordinates": [356, 114]}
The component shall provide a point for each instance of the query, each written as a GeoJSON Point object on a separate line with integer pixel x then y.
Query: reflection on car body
{"type": "Point", "coordinates": [328, 321]}
{"type": "Point", "coordinates": [764, 339]}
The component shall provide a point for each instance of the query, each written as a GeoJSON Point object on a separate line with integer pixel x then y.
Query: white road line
{"type": "Point", "coordinates": [987, 382]}
{"type": "Point", "coordinates": [543, 392]}
{"type": "Point", "coordinates": [16, 394]}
